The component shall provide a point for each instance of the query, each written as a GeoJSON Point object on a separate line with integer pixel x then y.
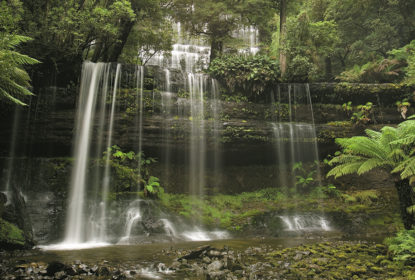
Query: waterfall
{"type": "Point", "coordinates": [12, 152]}
{"type": "Point", "coordinates": [192, 54]}
{"type": "Point", "coordinates": [106, 179]}
{"type": "Point", "coordinates": [140, 108]}
{"type": "Point", "coordinates": [75, 224]}
{"type": "Point", "coordinates": [294, 141]}
{"type": "Point", "coordinates": [197, 158]}
{"type": "Point", "coordinates": [86, 220]}
{"type": "Point", "coordinates": [133, 216]}
{"type": "Point", "coordinates": [305, 223]}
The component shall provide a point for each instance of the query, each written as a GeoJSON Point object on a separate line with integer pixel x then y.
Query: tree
{"type": "Point", "coordinates": [369, 29]}
{"type": "Point", "coordinates": [218, 19]}
{"type": "Point", "coordinates": [283, 35]}
{"type": "Point", "coordinates": [65, 33]}
{"type": "Point", "coordinates": [14, 80]}
{"type": "Point", "coordinates": [392, 149]}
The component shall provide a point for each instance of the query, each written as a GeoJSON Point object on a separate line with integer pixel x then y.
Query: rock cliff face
{"type": "Point", "coordinates": [242, 131]}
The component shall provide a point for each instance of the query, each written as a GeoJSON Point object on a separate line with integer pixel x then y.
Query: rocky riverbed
{"type": "Point", "coordinates": [323, 260]}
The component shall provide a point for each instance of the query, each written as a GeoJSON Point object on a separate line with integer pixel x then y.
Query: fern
{"type": "Point", "coordinates": [402, 247]}
{"type": "Point", "coordinates": [391, 148]}
{"type": "Point", "coordinates": [14, 80]}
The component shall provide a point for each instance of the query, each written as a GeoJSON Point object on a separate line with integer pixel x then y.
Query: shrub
{"type": "Point", "coordinates": [250, 74]}
{"type": "Point", "coordinates": [300, 69]}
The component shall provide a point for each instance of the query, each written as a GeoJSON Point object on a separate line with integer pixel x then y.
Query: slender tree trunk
{"type": "Point", "coordinates": [216, 47]}
{"type": "Point", "coordinates": [406, 199]}
{"type": "Point", "coordinates": [122, 40]}
{"type": "Point", "coordinates": [329, 73]}
{"type": "Point", "coordinates": [283, 35]}
{"type": "Point", "coordinates": [97, 52]}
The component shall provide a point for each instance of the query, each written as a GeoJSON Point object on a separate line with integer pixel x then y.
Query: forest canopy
{"type": "Point", "coordinates": [311, 40]}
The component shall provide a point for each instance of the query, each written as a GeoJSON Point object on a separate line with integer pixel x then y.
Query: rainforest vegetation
{"type": "Point", "coordinates": [318, 40]}
{"type": "Point", "coordinates": [293, 113]}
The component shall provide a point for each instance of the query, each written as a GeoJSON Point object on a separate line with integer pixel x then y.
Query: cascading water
{"type": "Point", "coordinates": [295, 145]}
{"type": "Point", "coordinates": [305, 223]}
{"type": "Point", "coordinates": [10, 160]}
{"type": "Point", "coordinates": [86, 221]}
{"type": "Point", "coordinates": [75, 225]}
{"type": "Point", "coordinates": [106, 180]}
{"type": "Point", "coordinates": [140, 100]}
{"type": "Point", "coordinates": [197, 159]}
{"type": "Point", "coordinates": [295, 142]}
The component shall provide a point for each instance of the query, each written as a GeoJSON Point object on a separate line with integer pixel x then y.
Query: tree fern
{"type": "Point", "coordinates": [14, 80]}
{"type": "Point", "coordinates": [391, 148]}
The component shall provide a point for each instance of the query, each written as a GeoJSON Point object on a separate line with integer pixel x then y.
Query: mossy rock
{"type": "Point", "coordinates": [11, 237]}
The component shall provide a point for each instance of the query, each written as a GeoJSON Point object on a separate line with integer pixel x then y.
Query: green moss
{"type": "Point", "coordinates": [10, 234]}
{"type": "Point", "coordinates": [367, 196]}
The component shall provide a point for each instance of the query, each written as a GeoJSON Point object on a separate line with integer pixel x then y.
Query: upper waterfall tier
{"type": "Point", "coordinates": [192, 54]}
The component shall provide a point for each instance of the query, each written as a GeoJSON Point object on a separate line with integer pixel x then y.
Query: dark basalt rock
{"type": "Point", "coordinates": [16, 213]}
{"type": "Point", "coordinates": [55, 267]}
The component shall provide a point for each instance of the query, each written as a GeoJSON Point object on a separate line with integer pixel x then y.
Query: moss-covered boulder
{"type": "Point", "coordinates": [11, 237]}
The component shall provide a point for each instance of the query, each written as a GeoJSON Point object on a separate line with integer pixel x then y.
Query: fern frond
{"type": "Point", "coordinates": [12, 87]}
{"type": "Point", "coordinates": [367, 147]}
{"type": "Point", "coordinates": [11, 98]}
{"type": "Point", "coordinates": [15, 40]}
{"type": "Point", "coordinates": [397, 155]}
{"type": "Point", "coordinates": [371, 164]}
{"type": "Point", "coordinates": [21, 77]}
{"type": "Point", "coordinates": [373, 134]}
{"type": "Point", "coordinates": [344, 169]}
{"type": "Point", "coordinates": [409, 169]}
{"type": "Point", "coordinates": [408, 140]}
{"type": "Point", "coordinates": [22, 59]}
{"type": "Point", "coordinates": [345, 158]}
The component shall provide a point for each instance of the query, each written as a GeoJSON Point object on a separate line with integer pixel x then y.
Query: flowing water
{"type": "Point", "coordinates": [90, 217]}
{"type": "Point", "coordinates": [10, 160]}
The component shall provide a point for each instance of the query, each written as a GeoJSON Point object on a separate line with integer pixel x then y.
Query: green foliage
{"type": "Point", "coordinates": [131, 171]}
{"type": "Point", "coordinates": [402, 246]}
{"type": "Point", "coordinates": [347, 107]}
{"type": "Point", "coordinates": [406, 55]}
{"type": "Point", "coordinates": [363, 115]}
{"type": "Point", "coordinates": [398, 66]}
{"type": "Point", "coordinates": [251, 75]}
{"type": "Point", "coordinates": [152, 187]}
{"type": "Point", "coordinates": [310, 39]}
{"type": "Point", "coordinates": [304, 178]}
{"type": "Point", "coordinates": [378, 71]}
{"type": "Point", "coordinates": [14, 80]}
{"type": "Point", "coordinates": [300, 69]}
{"type": "Point", "coordinates": [391, 149]}
{"type": "Point", "coordinates": [216, 20]}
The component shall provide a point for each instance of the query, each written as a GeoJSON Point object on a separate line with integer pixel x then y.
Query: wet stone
{"type": "Point", "coordinates": [215, 266]}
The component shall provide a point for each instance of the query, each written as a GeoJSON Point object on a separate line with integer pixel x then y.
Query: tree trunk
{"type": "Point", "coordinates": [97, 52]}
{"type": "Point", "coordinates": [406, 199]}
{"type": "Point", "coordinates": [329, 74]}
{"type": "Point", "coordinates": [216, 47]}
{"type": "Point", "coordinates": [283, 34]}
{"type": "Point", "coordinates": [122, 40]}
